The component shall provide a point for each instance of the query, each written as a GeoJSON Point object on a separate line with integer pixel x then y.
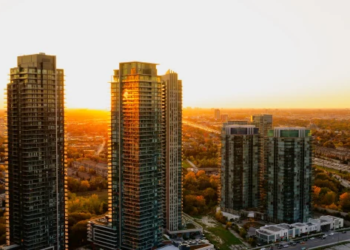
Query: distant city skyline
{"type": "Point", "coordinates": [231, 54]}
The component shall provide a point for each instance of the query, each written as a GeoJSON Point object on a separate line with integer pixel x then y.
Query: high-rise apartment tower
{"type": "Point", "coordinates": [289, 160]}
{"type": "Point", "coordinates": [264, 123]}
{"type": "Point", "coordinates": [240, 159]}
{"type": "Point", "coordinates": [173, 151]}
{"type": "Point", "coordinates": [145, 159]}
{"type": "Point", "coordinates": [35, 180]}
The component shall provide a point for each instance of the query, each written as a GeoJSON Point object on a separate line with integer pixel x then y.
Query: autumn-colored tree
{"type": "Point", "coordinates": [344, 201]}
{"type": "Point", "coordinates": [219, 217]}
{"type": "Point", "coordinates": [210, 194]}
{"type": "Point", "coordinates": [92, 171]}
{"type": "Point", "coordinates": [200, 192]}
{"type": "Point", "coordinates": [242, 232]}
{"type": "Point", "coordinates": [316, 190]}
{"type": "Point", "coordinates": [228, 225]}
{"type": "Point", "coordinates": [333, 207]}
{"type": "Point", "coordinates": [81, 169]}
{"type": "Point", "coordinates": [200, 173]}
{"type": "Point", "coordinates": [73, 184]}
{"type": "Point", "coordinates": [74, 218]}
{"type": "Point", "coordinates": [84, 186]}
{"type": "Point", "coordinates": [200, 201]}
{"type": "Point", "coordinates": [329, 198]}
{"type": "Point", "coordinates": [329, 144]}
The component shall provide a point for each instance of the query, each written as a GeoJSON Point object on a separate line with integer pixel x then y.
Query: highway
{"type": "Point", "coordinates": [195, 169]}
{"type": "Point", "coordinates": [331, 164]}
{"type": "Point", "coordinates": [343, 182]}
{"type": "Point", "coordinates": [334, 165]}
{"type": "Point", "coordinates": [196, 125]}
{"type": "Point", "coordinates": [100, 148]}
{"type": "Point", "coordinates": [318, 242]}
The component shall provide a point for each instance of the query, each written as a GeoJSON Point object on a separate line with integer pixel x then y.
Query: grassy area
{"type": "Point", "coordinates": [226, 236]}
{"type": "Point", "coordinates": [221, 237]}
{"type": "Point", "coordinates": [190, 226]}
{"type": "Point", "coordinates": [185, 164]}
{"type": "Point", "coordinates": [103, 195]}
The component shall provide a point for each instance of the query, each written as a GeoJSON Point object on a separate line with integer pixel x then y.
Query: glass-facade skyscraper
{"type": "Point", "coordinates": [264, 123]}
{"type": "Point", "coordinates": [35, 179]}
{"type": "Point", "coordinates": [173, 151]}
{"type": "Point", "coordinates": [289, 173]}
{"type": "Point", "coordinates": [145, 177]}
{"type": "Point", "coordinates": [240, 162]}
{"type": "Point", "coordinates": [137, 162]}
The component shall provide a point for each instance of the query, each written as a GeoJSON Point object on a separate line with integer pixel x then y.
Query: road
{"type": "Point", "coordinates": [331, 164]}
{"type": "Point", "coordinates": [196, 125]}
{"type": "Point", "coordinates": [195, 169]}
{"type": "Point", "coordinates": [319, 242]}
{"type": "Point", "coordinates": [336, 166]}
{"type": "Point", "coordinates": [343, 182]}
{"type": "Point", "coordinates": [100, 148]}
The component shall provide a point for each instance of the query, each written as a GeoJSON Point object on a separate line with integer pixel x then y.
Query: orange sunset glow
{"type": "Point", "coordinates": [230, 54]}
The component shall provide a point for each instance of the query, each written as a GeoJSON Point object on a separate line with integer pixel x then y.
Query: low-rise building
{"type": "Point", "coordinates": [273, 233]}
{"type": "Point", "coordinates": [334, 222]}
{"type": "Point", "coordinates": [279, 232]}
{"type": "Point", "coordinates": [101, 233]}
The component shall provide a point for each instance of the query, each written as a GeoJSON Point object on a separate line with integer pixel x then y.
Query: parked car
{"type": "Point", "coordinates": [331, 233]}
{"type": "Point", "coordinates": [344, 232]}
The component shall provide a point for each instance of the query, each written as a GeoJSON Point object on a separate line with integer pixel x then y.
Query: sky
{"type": "Point", "coordinates": [229, 54]}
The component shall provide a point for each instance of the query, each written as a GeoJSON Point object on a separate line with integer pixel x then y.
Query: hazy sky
{"type": "Point", "coordinates": [236, 54]}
